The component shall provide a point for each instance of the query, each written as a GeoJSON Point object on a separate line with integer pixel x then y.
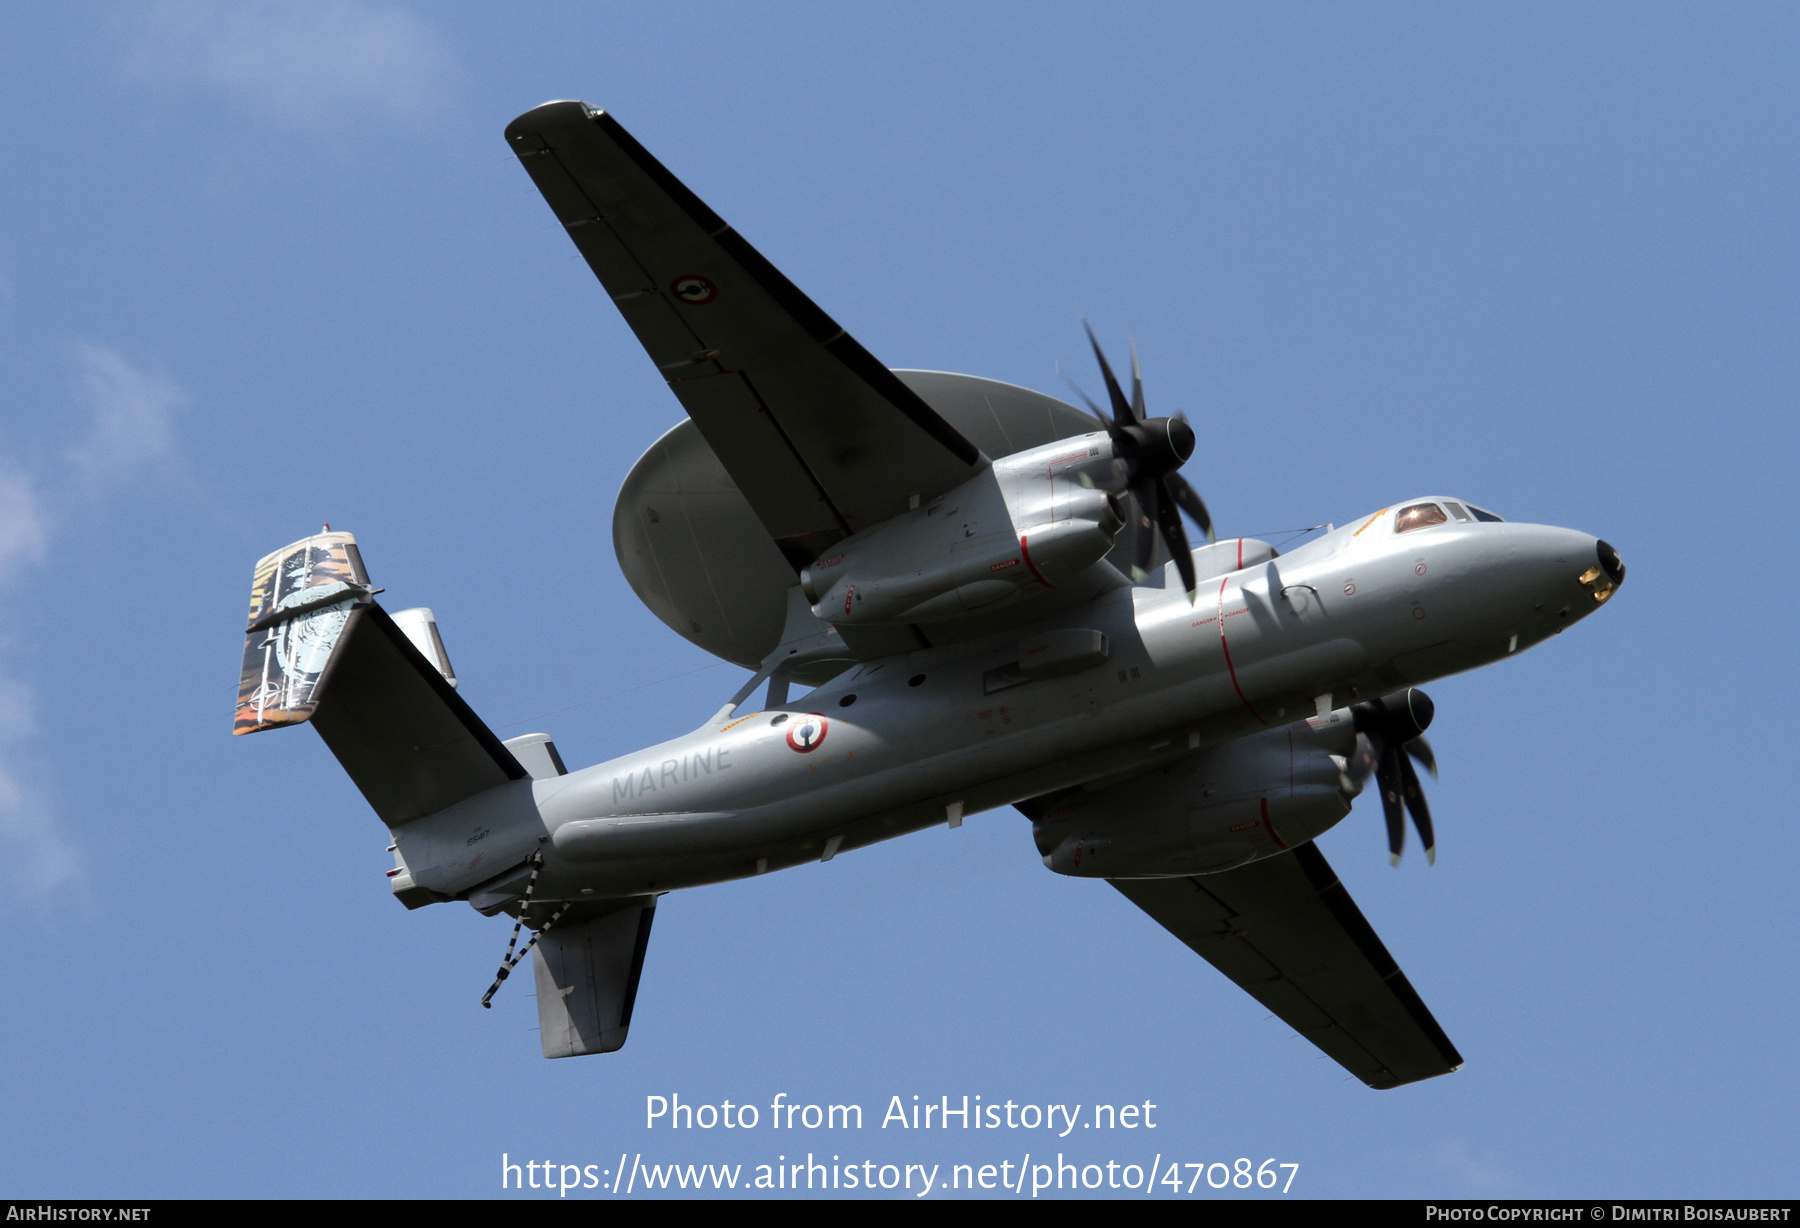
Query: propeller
{"type": "Point", "coordinates": [1390, 733]}
{"type": "Point", "coordinates": [1150, 450]}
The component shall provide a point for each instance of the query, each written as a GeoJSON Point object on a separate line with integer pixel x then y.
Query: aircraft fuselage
{"type": "Point", "coordinates": [926, 737]}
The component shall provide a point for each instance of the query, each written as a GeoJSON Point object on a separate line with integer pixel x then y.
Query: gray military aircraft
{"type": "Point", "coordinates": [994, 601]}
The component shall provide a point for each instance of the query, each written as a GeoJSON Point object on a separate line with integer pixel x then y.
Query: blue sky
{"type": "Point", "coordinates": [264, 266]}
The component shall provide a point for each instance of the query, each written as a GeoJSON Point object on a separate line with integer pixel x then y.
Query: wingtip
{"type": "Point", "coordinates": [545, 114]}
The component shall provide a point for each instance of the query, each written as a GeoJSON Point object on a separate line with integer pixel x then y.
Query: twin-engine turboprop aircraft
{"type": "Point", "coordinates": [994, 599]}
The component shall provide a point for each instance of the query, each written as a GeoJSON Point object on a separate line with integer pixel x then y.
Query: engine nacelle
{"type": "Point", "coordinates": [1214, 810]}
{"type": "Point", "coordinates": [1030, 521]}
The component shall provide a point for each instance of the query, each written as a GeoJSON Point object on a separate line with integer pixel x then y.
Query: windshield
{"type": "Point", "coordinates": [1418, 516]}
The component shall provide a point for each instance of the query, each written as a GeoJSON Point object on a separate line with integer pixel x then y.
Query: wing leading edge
{"type": "Point", "coordinates": [820, 437]}
{"type": "Point", "coordinates": [1285, 929]}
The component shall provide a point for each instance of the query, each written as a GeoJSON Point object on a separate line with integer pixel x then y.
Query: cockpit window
{"type": "Point", "coordinates": [1456, 509]}
{"type": "Point", "coordinates": [1487, 516]}
{"type": "Point", "coordinates": [1418, 516]}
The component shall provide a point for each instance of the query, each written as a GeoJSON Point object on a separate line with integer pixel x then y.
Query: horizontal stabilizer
{"type": "Point", "coordinates": [587, 979]}
{"type": "Point", "coordinates": [410, 742]}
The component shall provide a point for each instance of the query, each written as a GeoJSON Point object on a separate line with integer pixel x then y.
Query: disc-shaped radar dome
{"type": "Point", "coordinates": [696, 555]}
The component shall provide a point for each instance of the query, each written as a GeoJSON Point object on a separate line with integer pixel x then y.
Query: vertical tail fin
{"type": "Point", "coordinates": [303, 599]}
{"type": "Point", "coordinates": [587, 978]}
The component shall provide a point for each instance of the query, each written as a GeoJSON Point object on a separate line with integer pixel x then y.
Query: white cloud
{"type": "Point", "coordinates": [22, 529]}
{"type": "Point", "coordinates": [39, 860]}
{"type": "Point", "coordinates": [313, 67]}
{"type": "Point", "coordinates": [129, 435]}
{"type": "Point", "coordinates": [132, 429]}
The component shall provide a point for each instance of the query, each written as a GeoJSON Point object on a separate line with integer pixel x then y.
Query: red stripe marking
{"type": "Point", "coordinates": [1050, 470]}
{"type": "Point", "coordinates": [1226, 648]}
{"type": "Point", "coordinates": [1240, 554]}
{"type": "Point", "coordinates": [1271, 826]}
{"type": "Point", "coordinates": [1026, 554]}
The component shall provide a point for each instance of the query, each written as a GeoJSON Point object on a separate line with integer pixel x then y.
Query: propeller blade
{"type": "Point", "coordinates": [1415, 805]}
{"type": "Point", "coordinates": [1387, 776]}
{"type": "Point", "coordinates": [1112, 428]}
{"type": "Point", "coordinates": [1420, 749]}
{"type": "Point", "coordinates": [1137, 385]}
{"type": "Point", "coordinates": [1190, 502]}
{"type": "Point", "coordinates": [1121, 408]}
{"type": "Point", "coordinates": [1168, 517]}
{"type": "Point", "coordinates": [1364, 758]}
{"type": "Point", "coordinates": [1143, 528]}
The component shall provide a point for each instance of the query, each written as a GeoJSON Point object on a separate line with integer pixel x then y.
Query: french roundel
{"type": "Point", "coordinates": [808, 733]}
{"type": "Point", "coordinates": [692, 288]}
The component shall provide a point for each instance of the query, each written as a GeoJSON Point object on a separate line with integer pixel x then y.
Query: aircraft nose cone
{"type": "Point", "coordinates": [1602, 570]}
{"type": "Point", "coordinates": [1610, 561]}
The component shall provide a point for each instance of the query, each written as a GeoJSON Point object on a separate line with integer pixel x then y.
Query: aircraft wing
{"type": "Point", "coordinates": [820, 437]}
{"type": "Point", "coordinates": [1286, 931]}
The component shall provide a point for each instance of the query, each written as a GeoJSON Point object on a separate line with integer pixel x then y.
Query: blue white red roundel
{"type": "Point", "coordinates": [692, 288]}
{"type": "Point", "coordinates": [808, 733]}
